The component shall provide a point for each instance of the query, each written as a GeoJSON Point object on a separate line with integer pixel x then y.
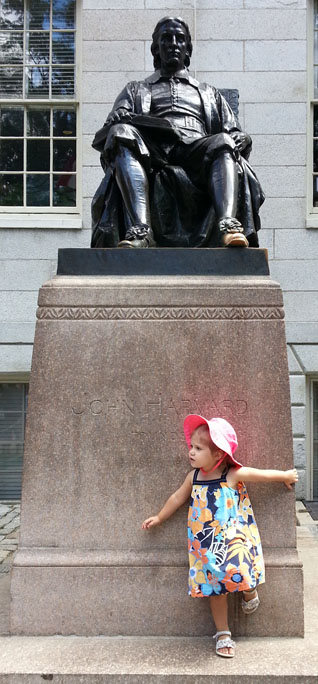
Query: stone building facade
{"type": "Point", "coordinates": [265, 49]}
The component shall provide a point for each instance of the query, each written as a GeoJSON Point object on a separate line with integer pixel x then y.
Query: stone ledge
{"type": "Point", "coordinates": [25, 660]}
{"type": "Point", "coordinates": [50, 557]}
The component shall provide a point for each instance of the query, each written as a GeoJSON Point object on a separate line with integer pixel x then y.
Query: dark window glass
{"type": "Point", "coordinates": [13, 402]}
{"type": "Point", "coordinates": [38, 122]}
{"type": "Point", "coordinates": [64, 122]}
{"type": "Point", "coordinates": [11, 121]}
{"type": "Point", "coordinates": [38, 155]}
{"type": "Point", "coordinates": [64, 155]}
{"type": "Point", "coordinates": [11, 190]}
{"type": "Point", "coordinates": [38, 190]}
{"type": "Point", "coordinates": [315, 440]}
{"type": "Point", "coordinates": [315, 122]}
{"type": "Point", "coordinates": [11, 155]}
{"type": "Point", "coordinates": [315, 191]}
{"type": "Point", "coordinates": [64, 190]}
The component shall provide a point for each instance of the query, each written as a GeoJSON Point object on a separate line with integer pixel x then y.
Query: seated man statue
{"type": "Point", "coordinates": [175, 160]}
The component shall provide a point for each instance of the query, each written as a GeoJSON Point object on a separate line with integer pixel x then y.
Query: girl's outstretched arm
{"type": "Point", "coordinates": [288, 477]}
{"type": "Point", "coordinates": [172, 504]}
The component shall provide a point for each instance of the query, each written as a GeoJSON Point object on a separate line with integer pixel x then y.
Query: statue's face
{"type": "Point", "coordinates": [172, 45]}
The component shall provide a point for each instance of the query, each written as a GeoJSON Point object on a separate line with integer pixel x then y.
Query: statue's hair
{"type": "Point", "coordinates": [155, 40]}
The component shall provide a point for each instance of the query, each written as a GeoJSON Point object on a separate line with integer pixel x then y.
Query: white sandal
{"type": "Point", "coordinates": [227, 642]}
{"type": "Point", "coordinates": [250, 606]}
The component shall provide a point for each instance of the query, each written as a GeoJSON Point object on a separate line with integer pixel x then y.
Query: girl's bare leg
{"type": "Point", "coordinates": [219, 610]}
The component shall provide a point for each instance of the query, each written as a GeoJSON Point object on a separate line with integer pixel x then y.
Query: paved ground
{"type": "Point", "coordinates": [9, 533]}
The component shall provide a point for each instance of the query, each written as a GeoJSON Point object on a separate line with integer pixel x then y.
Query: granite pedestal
{"type": "Point", "coordinates": [118, 362]}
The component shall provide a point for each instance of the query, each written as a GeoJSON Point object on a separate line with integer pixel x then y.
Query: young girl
{"type": "Point", "coordinates": [225, 552]}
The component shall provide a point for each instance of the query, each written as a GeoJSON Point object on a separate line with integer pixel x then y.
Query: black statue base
{"type": "Point", "coordinates": [192, 262]}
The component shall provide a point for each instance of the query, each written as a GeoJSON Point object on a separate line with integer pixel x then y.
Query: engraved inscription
{"type": "Point", "coordinates": [159, 407]}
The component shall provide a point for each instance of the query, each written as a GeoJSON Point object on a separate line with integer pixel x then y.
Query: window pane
{"type": "Point", "coordinates": [11, 14]}
{"type": "Point", "coordinates": [11, 190]}
{"type": "Point", "coordinates": [11, 48]}
{"type": "Point", "coordinates": [315, 81]}
{"type": "Point", "coordinates": [63, 80]}
{"type": "Point", "coordinates": [38, 14]}
{"type": "Point", "coordinates": [315, 394]}
{"type": "Point", "coordinates": [63, 48]}
{"type": "Point", "coordinates": [64, 155]}
{"type": "Point", "coordinates": [37, 48]}
{"type": "Point", "coordinates": [11, 155]}
{"type": "Point", "coordinates": [11, 81]}
{"type": "Point", "coordinates": [11, 121]}
{"type": "Point", "coordinates": [64, 122]}
{"type": "Point", "coordinates": [11, 397]}
{"type": "Point", "coordinates": [37, 82]}
{"type": "Point", "coordinates": [64, 191]}
{"type": "Point", "coordinates": [11, 455]}
{"type": "Point", "coordinates": [38, 122]}
{"type": "Point", "coordinates": [315, 191]}
{"type": "Point", "coordinates": [63, 14]}
{"type": "Point", "coordinates": [38, 190]}
{"type": "Point", "coordinates": [11, 426]}
{"type": "Point", "coordinates": [315, 156]}
{"type": "Point", "coordinates": [38, 155]}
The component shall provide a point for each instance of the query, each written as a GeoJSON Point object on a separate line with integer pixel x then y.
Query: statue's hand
{"type": "Point", "coordinates": [242, 140]}
{"type": "Point", "coordinates": [118, 116]}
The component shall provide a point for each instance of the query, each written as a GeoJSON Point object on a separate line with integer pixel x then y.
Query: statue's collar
{"type": "Point", "coordinates": [183, 74]}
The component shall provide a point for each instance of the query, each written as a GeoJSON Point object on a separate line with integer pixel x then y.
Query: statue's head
{"type": "Point", "coordinates": [171, 26]}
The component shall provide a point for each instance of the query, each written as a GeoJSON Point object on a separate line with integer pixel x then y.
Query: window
{"type": "Point", "coordinates": [315, 111]}
{"type": "Point", "coordinates": [38, 109]}
{"type": "Point", "coordinates": [13, 406]}
{"type": "Point", "coordinates": [315, 439]}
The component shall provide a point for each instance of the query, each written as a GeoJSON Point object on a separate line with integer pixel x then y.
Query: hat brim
{"type": "Point", "coordinates": [193, 421]}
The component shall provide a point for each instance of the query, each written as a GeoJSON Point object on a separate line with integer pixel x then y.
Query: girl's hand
{"type": "Point", "coordinates": [151, 522]}
{"type": "Point", "coordinates": [291, 478]}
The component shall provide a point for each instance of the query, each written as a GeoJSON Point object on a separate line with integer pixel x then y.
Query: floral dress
{"type": "Point", "coordinates": [225, 552]}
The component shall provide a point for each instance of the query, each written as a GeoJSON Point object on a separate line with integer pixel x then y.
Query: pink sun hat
{"type": "Point", "coordinates": [221, 432]}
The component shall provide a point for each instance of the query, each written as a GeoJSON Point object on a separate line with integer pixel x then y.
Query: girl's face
{"type": "Point", "coordinates": [203, 453]}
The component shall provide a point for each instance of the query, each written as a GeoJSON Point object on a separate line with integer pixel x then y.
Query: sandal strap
{"type": "Point", "coordinates": [250, 605]}
{"type": "Point", "coordinates": [227, 642]}
{"type": "Point", "coordinates": [215, 636]}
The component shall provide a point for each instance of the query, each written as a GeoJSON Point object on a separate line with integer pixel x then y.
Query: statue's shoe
{"type": "Point", "coordinates": [231, 232]}
{"type": "Point", "coordinates": [139, 244]}
{"type": "Point", "coordinates": [234, 240]}
{"type": "Point", "coordinates": [139, 237]}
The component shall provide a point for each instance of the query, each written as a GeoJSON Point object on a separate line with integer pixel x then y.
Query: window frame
{"type": "Point", "coordinates": [64, 217]}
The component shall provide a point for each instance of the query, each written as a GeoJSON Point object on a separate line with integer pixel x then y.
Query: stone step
{"type": "Point", "coordinates": [135, 660]}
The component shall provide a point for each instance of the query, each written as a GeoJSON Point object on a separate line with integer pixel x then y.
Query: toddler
{"type": "Point", "coordinates": [225, 552]}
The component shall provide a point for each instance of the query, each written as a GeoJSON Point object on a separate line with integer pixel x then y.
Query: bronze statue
{"type": "Point", "coordinates": [175, 160]}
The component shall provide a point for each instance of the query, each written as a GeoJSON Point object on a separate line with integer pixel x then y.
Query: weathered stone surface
{"type": "Point", "coordinates": [118, 363]}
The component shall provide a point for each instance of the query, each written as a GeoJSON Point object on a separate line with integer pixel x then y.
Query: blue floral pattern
{"type": "Point", "coordinates": [225, 552]}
